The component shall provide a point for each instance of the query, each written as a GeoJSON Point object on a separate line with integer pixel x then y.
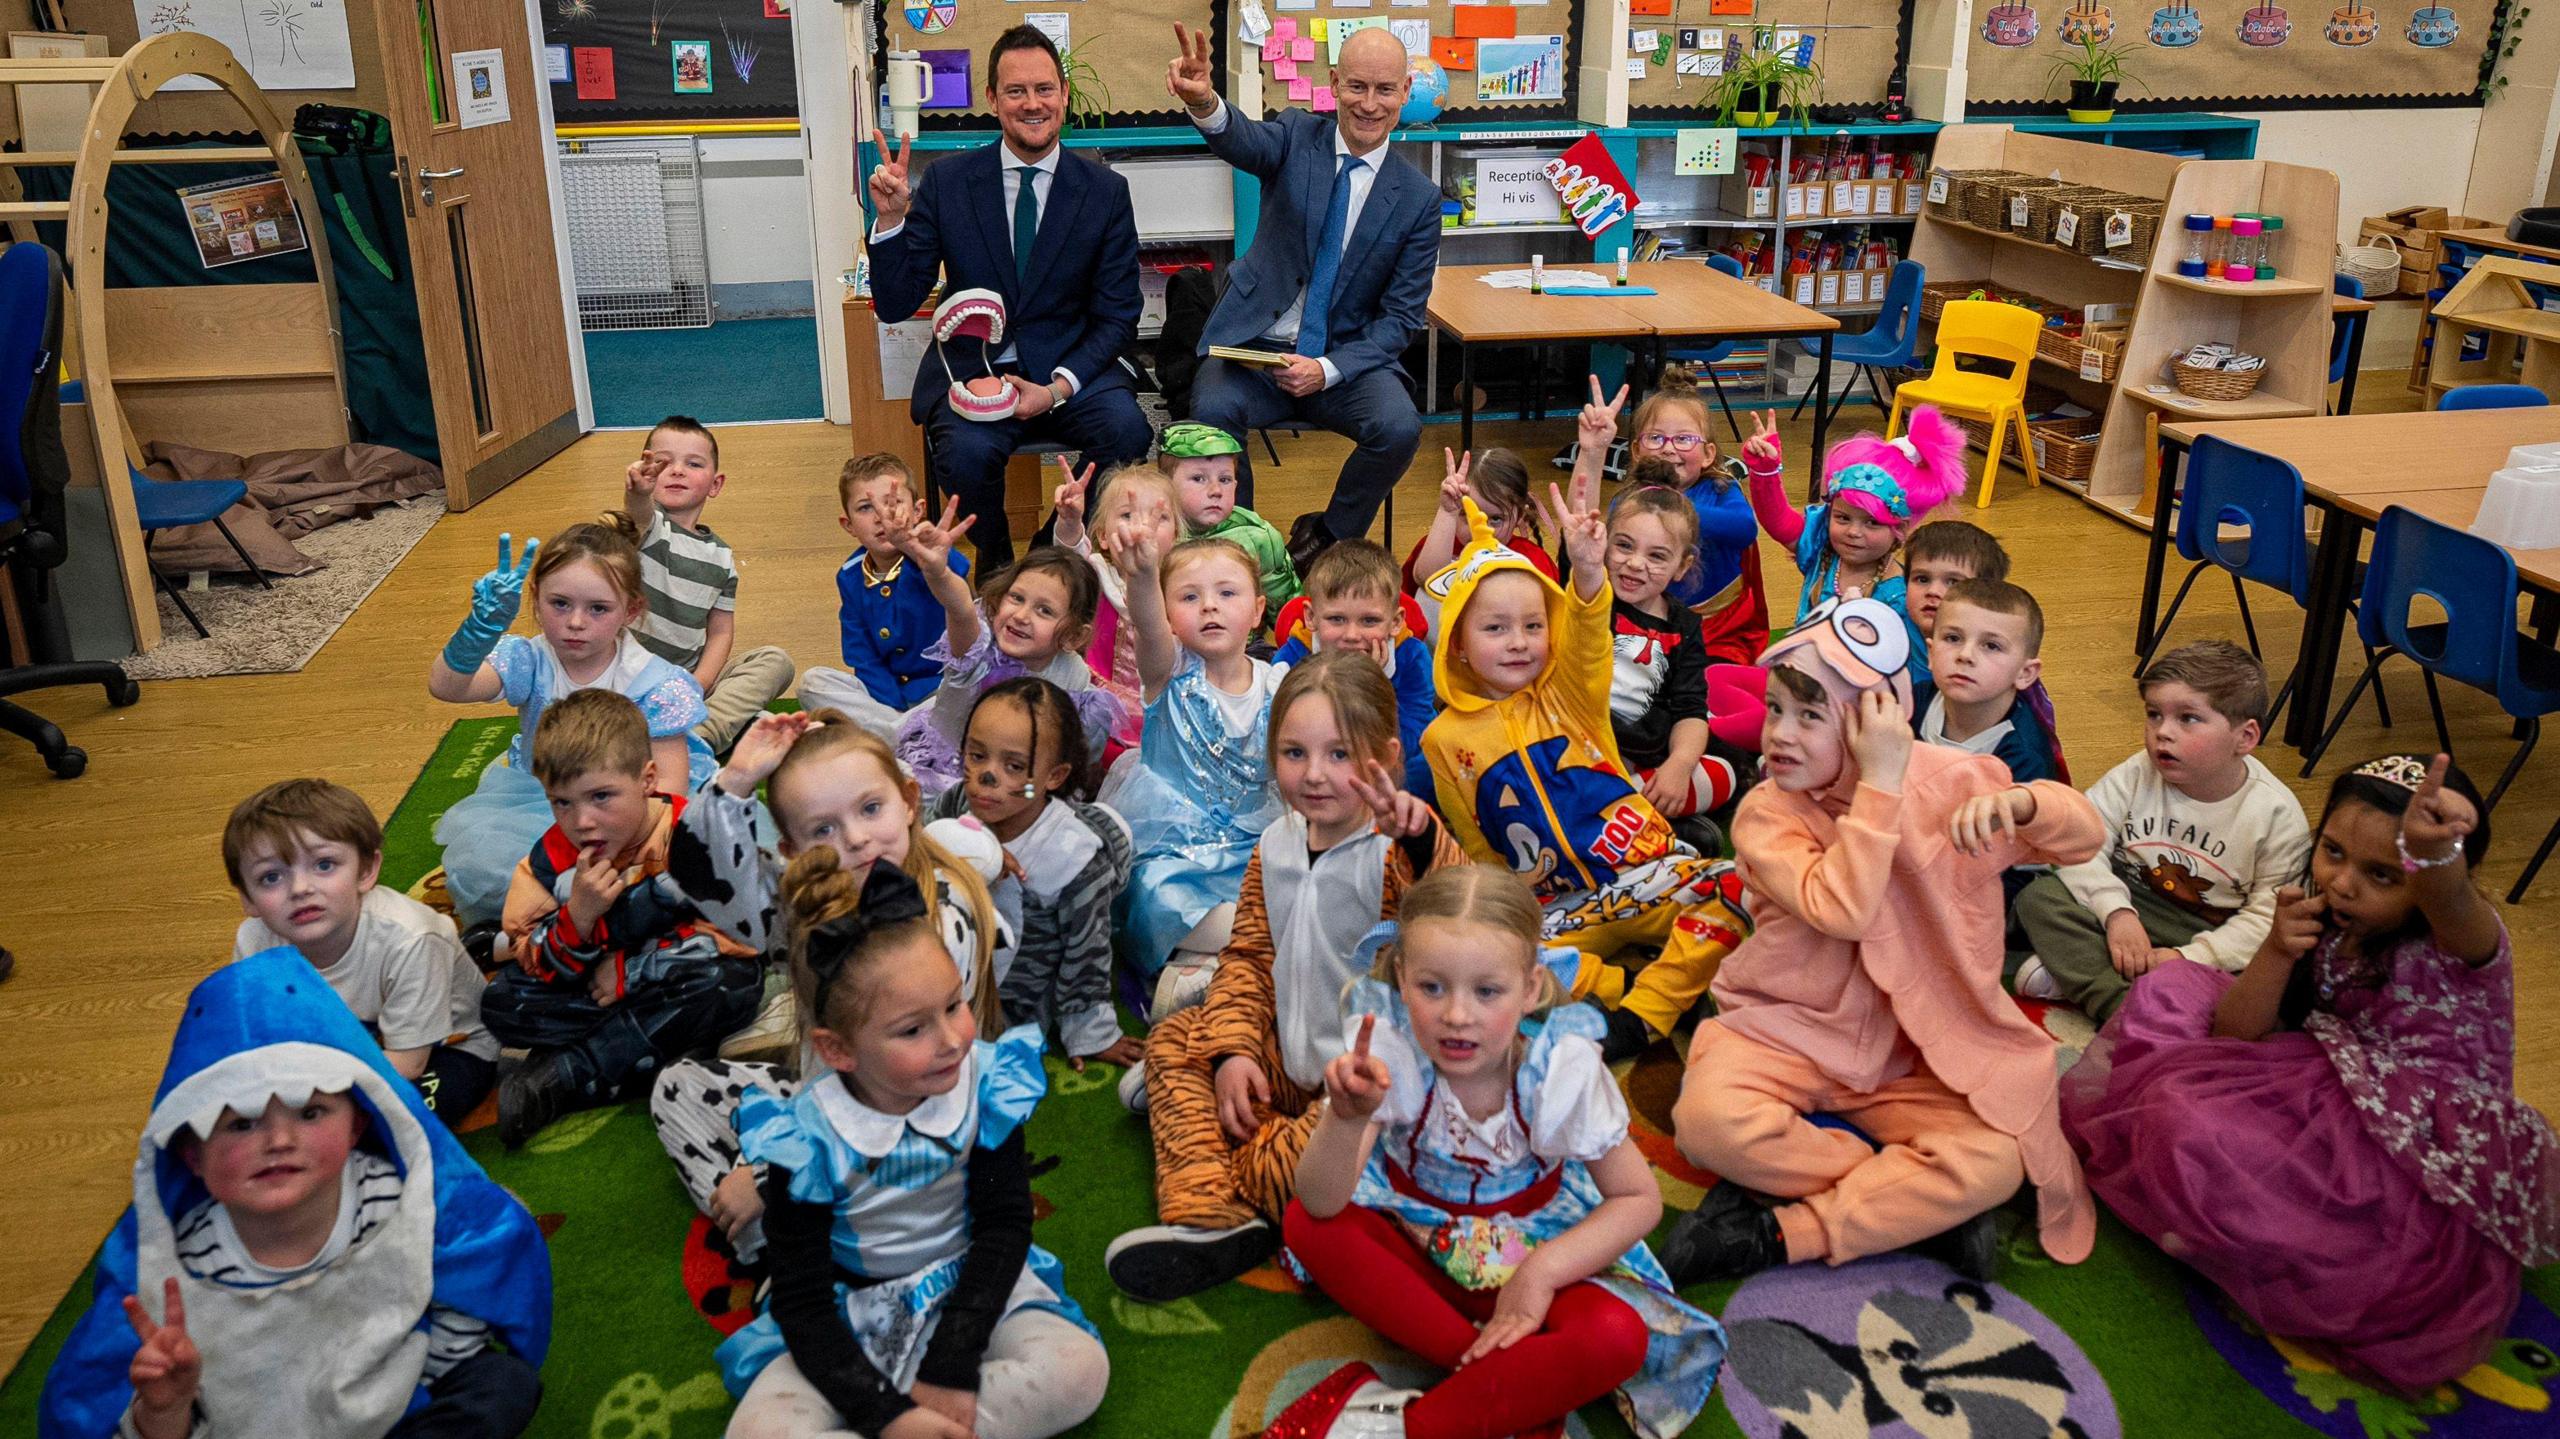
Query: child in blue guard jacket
{"type": "Point", "coordinates": [885, 606]}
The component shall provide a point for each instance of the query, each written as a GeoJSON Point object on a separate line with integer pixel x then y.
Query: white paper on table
{"type": "Point", "coordinates": [902, 348]}
{"type": "Point", "coordinates": [1553, 279]}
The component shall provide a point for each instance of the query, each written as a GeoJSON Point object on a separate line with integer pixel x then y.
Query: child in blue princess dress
{"type": "Point", "coordinates": [908, 1300]}
{"type": "Point", "coordinates": [1199, 794]}
{"type": "Point", "coordinates": [586, 599]}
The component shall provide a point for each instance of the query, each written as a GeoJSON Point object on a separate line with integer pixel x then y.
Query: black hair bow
{"type": "Point", "coordinates": [889, 898]}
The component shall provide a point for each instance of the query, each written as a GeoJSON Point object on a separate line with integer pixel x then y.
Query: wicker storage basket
{"type": "Point", "coordinates": [2375, 266]}
{"type": "Point", "coordinates": [2045, 206]}
{"type": "Point", "coordinates": [2017, 206]}
{"type": "Point", "coordinates": [1935, 295]}
{"type": "Point", "coordinates": [2068, 351]}
{"type": "Point", "coordinates": [2065, 449]}
{"type": "Point", "coordinates": [2090, 214]}
{"type": "Point", "coordinates": [1952, 207]}
{"type": "Point", "coordinates": [1978, 197]}
{"type": "Point", "coordinates": [2197, 382]}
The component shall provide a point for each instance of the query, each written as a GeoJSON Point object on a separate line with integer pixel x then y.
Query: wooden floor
{"type": "Point", "coordinates": [117, 902]}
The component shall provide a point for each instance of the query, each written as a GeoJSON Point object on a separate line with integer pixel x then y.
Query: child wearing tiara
{"type": "Point", "coordinates": [907, 1296]}
{"type": "Point", "coordinates": [1037, 615]}
{"type": "Point", "coordinates": [1199, 793]}
{"type": "Point", "coordinates": [1473, 1194]}
{"type": "Point", "coordinates": [1721, 585]}
{"type": "Point", "coordinates": [2333, 1136]}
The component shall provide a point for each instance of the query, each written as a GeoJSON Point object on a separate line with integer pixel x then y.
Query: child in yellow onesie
{"type": "Point", "coordinates": [1526, 762]}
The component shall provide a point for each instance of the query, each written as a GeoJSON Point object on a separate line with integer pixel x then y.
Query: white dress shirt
{"type": "Point", "coordinates": [1284, 331]}
{"type": "Point", "coordinates": [1043, 175]}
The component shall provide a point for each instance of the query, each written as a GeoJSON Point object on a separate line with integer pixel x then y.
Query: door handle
{"type": "Point", "coordinates": [427, 182]}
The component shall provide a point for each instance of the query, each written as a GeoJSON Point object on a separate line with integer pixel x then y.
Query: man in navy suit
{"type": "Point", "coordinates": [1336, 280]}
{"type": "Point", "coordinates": [1053, 234]}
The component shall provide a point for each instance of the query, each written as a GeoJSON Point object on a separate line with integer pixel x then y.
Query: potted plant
{"type": "Point", "coordinates": [1088, 98]}
{"type": "Point", "coordinates": [1761, 86]}
{"type": "Point", "coordinates": [2094, 71]}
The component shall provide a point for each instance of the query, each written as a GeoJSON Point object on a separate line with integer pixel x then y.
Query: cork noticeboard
{"type": "Point", "coordinates": [1440, 17]}
{"type": "Point", "coordinates": [1127, 44]}
{"type": "Point", "coordinates": [1855, 42]}
{"type": "Point", "coordinates": [2188, 53]}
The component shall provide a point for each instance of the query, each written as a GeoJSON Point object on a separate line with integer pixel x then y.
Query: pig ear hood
{"type": "Point", "coordinates": [1899, 481]}
{"type": "Point", "coordinates": [1849, 647]}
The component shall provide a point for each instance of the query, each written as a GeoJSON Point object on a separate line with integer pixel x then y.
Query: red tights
{"type": "Point", "coordinates": [1591, 1343]}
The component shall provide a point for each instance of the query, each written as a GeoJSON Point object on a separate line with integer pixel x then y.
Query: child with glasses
{"type": "Point", "coordinates": [1721, 585]}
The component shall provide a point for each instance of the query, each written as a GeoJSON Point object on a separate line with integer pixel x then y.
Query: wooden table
{"type": "Point", "coordinates": [1690, 301]}
{"type": "Point", "coordinates": [2353, 467]}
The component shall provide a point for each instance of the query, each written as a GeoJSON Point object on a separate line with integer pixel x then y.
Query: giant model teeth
{"type": "Point", "coordinates": [977, 315]}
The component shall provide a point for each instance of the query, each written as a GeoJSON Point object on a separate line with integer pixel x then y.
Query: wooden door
{"type": "Point", "coordinates": [480, 239]}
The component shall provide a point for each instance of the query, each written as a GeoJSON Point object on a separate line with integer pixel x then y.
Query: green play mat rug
{"type": "Point", "coordinates": [2120, 1345]}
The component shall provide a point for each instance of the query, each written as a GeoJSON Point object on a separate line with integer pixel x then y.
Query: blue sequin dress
{"type": "Point", "coordinates": [899, 1187]}
{"type": "Point", "coordinates": [1197, 802]}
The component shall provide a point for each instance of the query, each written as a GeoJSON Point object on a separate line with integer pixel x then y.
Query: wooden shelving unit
{"type": "Point", "coordinates": [2285, 319]}
{"type": "Point", "coordinates": [1953, 250]}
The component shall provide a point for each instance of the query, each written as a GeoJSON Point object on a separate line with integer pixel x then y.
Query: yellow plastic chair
{"type": "Point", "coordinates": [1981, 330]}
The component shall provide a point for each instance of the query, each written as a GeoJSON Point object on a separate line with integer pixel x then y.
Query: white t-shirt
{"type": "Point", "coordinates": [404, 974]}
{"type": "Point", "coordinates": [1240, 711]}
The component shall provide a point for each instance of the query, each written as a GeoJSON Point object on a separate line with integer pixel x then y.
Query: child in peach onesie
{"type": "Point", "coordinates": [1871, 989]}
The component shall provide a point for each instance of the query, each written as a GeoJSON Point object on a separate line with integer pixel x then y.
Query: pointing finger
{"type": "Point", "coordinates": [1368, 1026]}
{"type": "Point", "coordinates": [506, 550]}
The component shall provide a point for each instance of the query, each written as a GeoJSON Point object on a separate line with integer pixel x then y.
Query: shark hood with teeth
{"type": "Point", "coordinates": [974, 315]}
{"type": "Point", "coordinates": [338, 1351]}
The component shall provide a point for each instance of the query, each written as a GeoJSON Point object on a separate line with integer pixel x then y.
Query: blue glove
{"type": "Point", "coordinates": [495, 597]}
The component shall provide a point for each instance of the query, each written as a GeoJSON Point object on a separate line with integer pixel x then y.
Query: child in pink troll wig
{"type": "Point", "coordinates": [1875, 492]}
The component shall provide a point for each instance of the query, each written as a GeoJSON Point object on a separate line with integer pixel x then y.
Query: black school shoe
{"type": "Point", "coordinates": [1730, 1234]}
{"type": "Point", "coordinates": [532, 1092]}
{"type": "Point", "coordinates": [1165, 1262]}
{"type": "Point", "coordinates": [1628, 1037]}
{"type": "Point", "coordinates": [1971, 1249]}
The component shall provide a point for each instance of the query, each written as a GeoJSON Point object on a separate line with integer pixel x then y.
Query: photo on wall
{"type": "Point", "coordinates": [692, 60]}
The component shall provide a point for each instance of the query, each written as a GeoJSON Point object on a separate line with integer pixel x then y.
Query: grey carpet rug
{"type": "Point", "coordinates": [277, 631]}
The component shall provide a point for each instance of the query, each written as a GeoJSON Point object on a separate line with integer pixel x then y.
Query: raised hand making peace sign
{"type": "Point", "coordinates": [890, 192]}
{"type": "Point", "coordinates": [1599, 423]}
{"type": "Point", "coordinates": [1187, 76]}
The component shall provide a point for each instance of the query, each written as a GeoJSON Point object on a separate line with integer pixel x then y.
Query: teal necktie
{"type": "Point", "coordinates": [1026, 222]}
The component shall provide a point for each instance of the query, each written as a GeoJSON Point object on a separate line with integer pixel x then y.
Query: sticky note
{"type": "Point", "coordinates": [1284, 69]}
{"type": "Point", "coordinates": [1486, 22]}
{"type": "Point", "coordinates": [1285, 30]}
{"type": "Point", "coordinates": [1302, 90]}
{"type": "Point", "coordinates": [1317, 27]}
{"type": "Point", "coordinates": [1324, 99]}
{"type": "Point", "coordinates": [1453, 53]}
{"type": "Point", "coordinates": [1302, 49]}
{"type": "Point", "coordinates": [1650, 7]}
{"type": "Point", "coordinates": [1275, 48]}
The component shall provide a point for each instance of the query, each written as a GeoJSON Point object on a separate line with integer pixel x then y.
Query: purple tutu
{"type": "Point", "coordinates": [2248, 1161]}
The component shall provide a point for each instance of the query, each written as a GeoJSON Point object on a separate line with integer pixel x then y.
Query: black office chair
{"type": "Point", "coordinates": [34, 474]}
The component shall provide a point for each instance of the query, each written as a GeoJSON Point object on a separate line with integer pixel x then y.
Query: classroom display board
{"type": "Point", "coordinates": [1116, 51]}
{"type": "Point", "coordinates": [1487, 62]}
{"type": "Point", "coordinates": [672, 60]}
{"type": "Point", "coordinates": [2196, 52]}
{"type": "Point", "coordinates": [1675, 48]}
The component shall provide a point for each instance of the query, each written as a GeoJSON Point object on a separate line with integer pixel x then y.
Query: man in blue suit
{"type": "Point", "coordinates": [1335, 283]}
{"type": "Point", "coordinates": [1053, 234]}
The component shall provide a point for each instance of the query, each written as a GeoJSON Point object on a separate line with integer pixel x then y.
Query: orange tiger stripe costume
{"type": "Point", "coordinates": [1202, 1178]}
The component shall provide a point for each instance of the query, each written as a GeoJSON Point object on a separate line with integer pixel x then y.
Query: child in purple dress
{"type": "Point", "coordinates": [2333, 1135]}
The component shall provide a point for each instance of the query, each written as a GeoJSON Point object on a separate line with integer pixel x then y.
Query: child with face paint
{"type": "Point", "coordinates": [1027, 775]}
{"type": "Point", "coordinates": [1871, 988]}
